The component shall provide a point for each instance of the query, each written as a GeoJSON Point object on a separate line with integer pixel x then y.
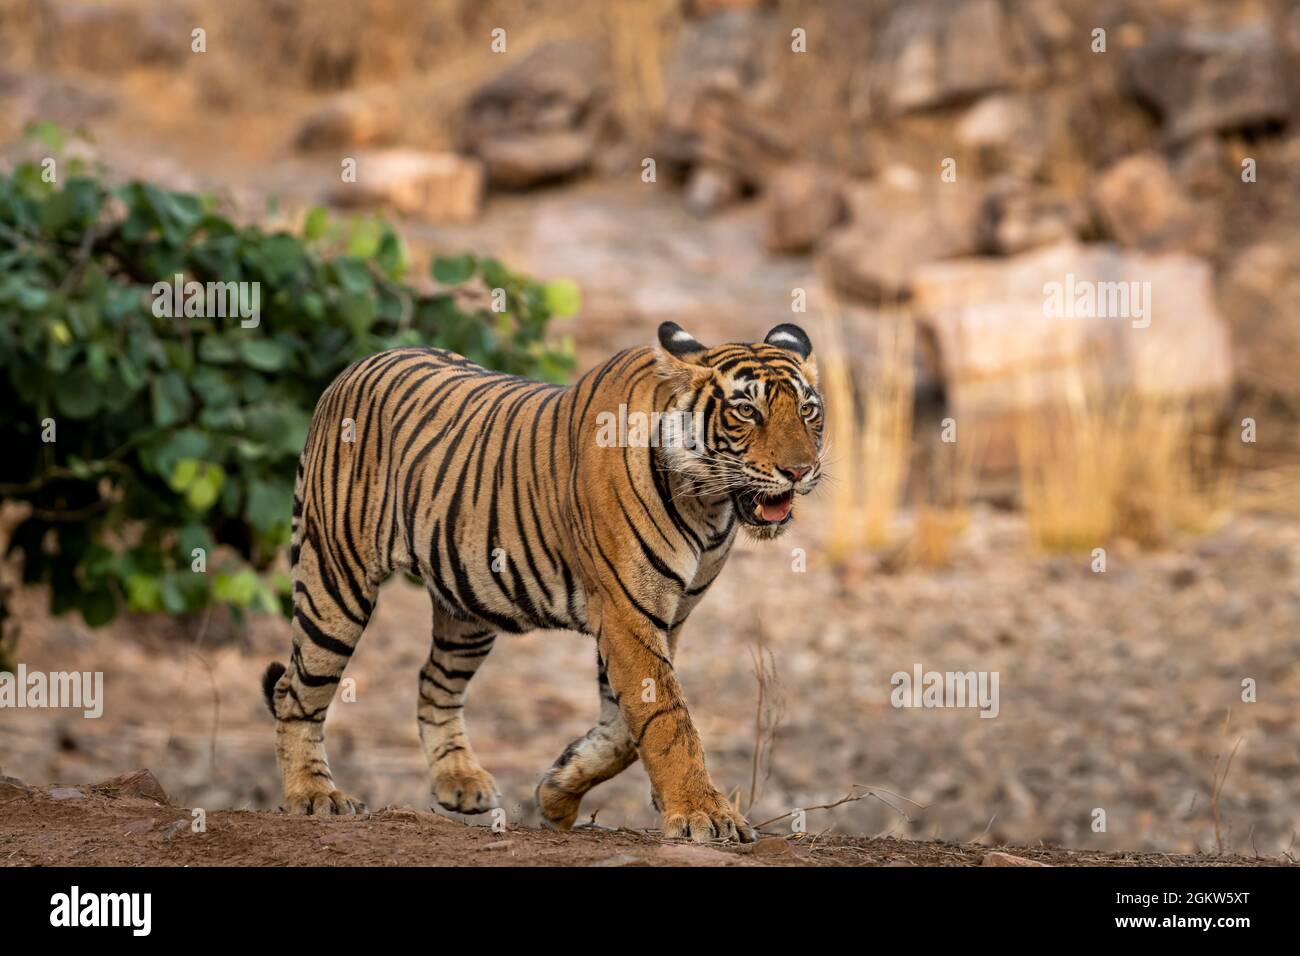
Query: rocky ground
{"type": "Point", "coordinates": [121, 823]}
{"type": "Point", "coordinates": [1120, 691]}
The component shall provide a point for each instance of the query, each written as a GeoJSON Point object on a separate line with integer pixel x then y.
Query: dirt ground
{"type": "Point", "coordinates": [89, 826]}
{"type": "Point", "coordinates": [1119, 692]}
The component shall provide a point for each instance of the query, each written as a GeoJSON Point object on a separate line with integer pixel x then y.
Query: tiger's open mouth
{"type": "Point", "coordinates": [759, 509]}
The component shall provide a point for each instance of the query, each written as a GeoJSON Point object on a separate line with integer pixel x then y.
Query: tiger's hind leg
{"type": "Point", "coordinates": [600, 754]}
{"type": "Point", "coordinates": [456, 779]}
{"type": "Point", "coordinates": [326, 628]}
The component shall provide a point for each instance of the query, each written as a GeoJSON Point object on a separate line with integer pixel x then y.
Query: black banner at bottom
{"type": "Point", "coordinates": [216, 905]}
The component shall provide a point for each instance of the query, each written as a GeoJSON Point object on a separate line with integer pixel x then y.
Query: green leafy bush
{"type": "Point", "coordinates": [176, 434]}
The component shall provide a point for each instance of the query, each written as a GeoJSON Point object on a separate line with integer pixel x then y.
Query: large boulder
{"type": "Point", "coordinates": [1203, 80]}
{"type": "Point", "coordinates": [540, 119]}
{"type": "Point", "coordinates": [1009, 332]}
{"type": "Point", "coordinates": [935, 53]}
{"type": "Point", "coordinates": [892, 232]}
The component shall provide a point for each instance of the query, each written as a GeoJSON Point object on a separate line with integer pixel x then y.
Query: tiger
{"type": "Point", "coordinates": [519, 508]}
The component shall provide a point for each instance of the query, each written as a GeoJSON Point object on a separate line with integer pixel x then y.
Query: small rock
{"type": "Point", "coordinates": [622, 859]}
{"type": "Point", "coordinates": [173, 830]}
{"type": "Point", "coordinates": [1016, 216]}
{"type": "Point", "coordinates": [412, 815]}
{"type": "Point", "coordinates": [517, 162]}
{"type": "Point", "coordinates": [710, 188]}
{"type": "Point", "coordinates": [498, 845]}
{"type": "Point", "coordinates": [137, 783]}
{"type": "Point", "coordinates": [998, 858]}
{"type": "Point", "coordinates": [892, 234]}
{"type": "Point", "coordinates": [346, 120]}
{"type": "Point", "coordinates": [804, 200]}
{"type": "Point", "coordinates": [1202, 167]}
{"type": "Point", "coordinates": [438, 187]}
{"type": "Point", "coordinates": [1004, 131]}
{"type": "Point", "coordinates": [709, 8]}
{"type": "Point", "coordinates": [11, 788]}
{"type": "Point", "coordinates": [1141, 206]}
{"type": "Point", "coordinates": [692, 855]}
{"type": "Point", "coordinates": [66, 793]}
{"type": "Point", "coordinates": [772, 846]}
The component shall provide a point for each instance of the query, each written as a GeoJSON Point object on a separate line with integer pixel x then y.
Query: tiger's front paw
{"type": "Point", "coordinates": [322, 801]}
{"type": "Point", "coordinates": [707, 817]}
{"type": "Point", "coordinates": [466, 789]}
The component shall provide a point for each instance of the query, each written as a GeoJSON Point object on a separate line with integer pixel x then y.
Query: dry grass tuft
{"type": "Point", "coordinates": [869, 432]}
{"type": "Point", "coordinates": [1107, 464]}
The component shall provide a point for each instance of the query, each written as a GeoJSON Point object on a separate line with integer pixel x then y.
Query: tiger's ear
{"type": "Point", "coordinates": [791, 338]}
{"type": "Point", "coordinates": [680, 344]}
{"type": "Point", "coordinates": [681, 357]}
{"type": "Point", "coordinates": [794, 339]}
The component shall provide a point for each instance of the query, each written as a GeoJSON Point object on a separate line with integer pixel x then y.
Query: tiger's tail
{"type": "Point", "coordinates": [270, 677]}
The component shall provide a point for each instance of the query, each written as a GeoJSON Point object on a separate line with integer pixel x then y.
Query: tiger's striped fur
{"type": "Point", "coordinates": [498, 493]}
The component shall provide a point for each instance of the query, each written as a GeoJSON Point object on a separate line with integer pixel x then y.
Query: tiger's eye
{"type": "Point", "coordinates": [743, 408]}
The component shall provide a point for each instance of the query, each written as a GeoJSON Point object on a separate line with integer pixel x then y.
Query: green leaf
{"type": "Point", "coordinates": [265, 355]}
{"type": "Point", "coordinates": [97, 607]}
{"type": "Point", "coordinates": [217, 349]}
{"type": "Point", "coordinates": [173, 599]}
{"type": "Point", "coordinates": [163, 456]}
{"type": "Point", "coordinates": [562, 297]}
{"type": "Point", "coordinates": [270, 504]}
{"type": "Point", "coordinates": [48, 133]}
{"type": "Point", "coordinates": [143, 593]}
{"type": "Point", "coordinates": [201, 494]}
{"type": "Point", "coordinates": [364, 240]}
{"type": "Point", "coordinates": [391, 256]}
{"type": "Point", "coordinates": [77, 394]}
{"type": "Point", "coordinates": [455, 269]}
{"type": "Point", "coordinates": [316, 223]}
{"type": "Point", "coordinates": [171, 399]}
{"type": "Point", "coordinates": [358, 311]}
{"type": "Point", "coordinates": [282, 258]}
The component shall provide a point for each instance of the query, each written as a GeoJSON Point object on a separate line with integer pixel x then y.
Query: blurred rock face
{"type": "Point", "coordinates": [837, 148]}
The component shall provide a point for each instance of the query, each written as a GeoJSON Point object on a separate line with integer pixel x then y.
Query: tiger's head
{"type": "Point", "coordinates": [750, 420]}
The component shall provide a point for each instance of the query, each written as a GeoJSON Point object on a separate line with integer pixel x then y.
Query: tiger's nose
{"type": "Point", "coordinates": [794, 474]}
